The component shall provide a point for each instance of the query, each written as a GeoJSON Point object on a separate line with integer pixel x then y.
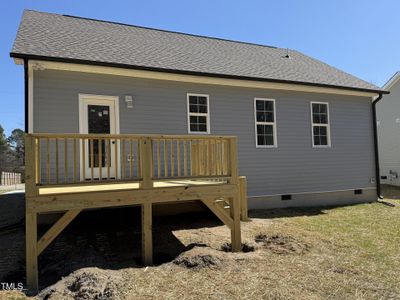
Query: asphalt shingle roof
{"type": "Point", "coordinates": [73, 38]}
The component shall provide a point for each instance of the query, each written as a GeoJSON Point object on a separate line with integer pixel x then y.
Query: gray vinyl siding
{"type": "Point", "coordinates": [388, 110]}
{"type": "Point", "coordinates": [160, 107]}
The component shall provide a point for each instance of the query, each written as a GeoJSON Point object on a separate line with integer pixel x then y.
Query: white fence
{"type": "Point", "coordinates": [10, 178]}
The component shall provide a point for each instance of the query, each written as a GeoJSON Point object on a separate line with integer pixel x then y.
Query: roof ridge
{"type": "Point", "coordinates": [168, 31]}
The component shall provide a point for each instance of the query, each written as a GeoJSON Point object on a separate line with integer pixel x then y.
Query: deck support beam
{"type": "Point", "coordinates": [31, 252]}
{"type": "Point", "coordinates": [56, 229]}
{"type": "Point", "coordinates": [103, 199]}
{"type": "Point", "coordinates": [147, 234]}
{"type": "Point", "coordinates": [218, 211]}
{"type": "Point", "coordinates": [230, 219]}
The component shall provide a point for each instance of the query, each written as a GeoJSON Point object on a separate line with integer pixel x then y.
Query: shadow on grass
{"type": "Point", "coordinates": [386, 203]}
{"type": "Point", "coordinates": [299, 211]}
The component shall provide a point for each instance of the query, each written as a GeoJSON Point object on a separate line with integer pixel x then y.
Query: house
{"type": "Point", "coordinates": [123, 115]}
{"type": "Point", "coordinates": [388, 117]}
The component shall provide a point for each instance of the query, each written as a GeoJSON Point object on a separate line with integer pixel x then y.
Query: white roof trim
{"type": "Point", "coordinates": [43, 65]}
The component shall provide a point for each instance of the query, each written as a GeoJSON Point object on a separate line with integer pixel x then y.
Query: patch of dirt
{"type": "Point", "coordinates": [246, 247]}
{"type": "Point", "coordinates": [282, 244]}
{"type": "Point", "coordinates": [200, 258]}
{"type": "Point", "coordinates": [86, 284]}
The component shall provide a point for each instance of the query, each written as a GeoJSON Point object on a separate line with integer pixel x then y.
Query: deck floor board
{"type": "Point", "coordinates": [96, 187]}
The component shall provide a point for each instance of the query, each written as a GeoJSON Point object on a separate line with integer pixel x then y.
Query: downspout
{"type": "Point", "coordinates": [26, 86]}
{"type": "Point", "coordinates": [377, 173]}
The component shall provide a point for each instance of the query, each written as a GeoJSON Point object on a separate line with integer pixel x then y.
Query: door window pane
{"type": "Point", "coordinates": [98, 122]}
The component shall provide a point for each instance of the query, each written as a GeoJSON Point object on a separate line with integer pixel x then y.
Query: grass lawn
{"type": "Point", "coordinates": [348, 252]}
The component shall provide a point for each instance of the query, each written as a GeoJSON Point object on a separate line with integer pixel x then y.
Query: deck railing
{"type": "Point", "coordinates": [66, 159]}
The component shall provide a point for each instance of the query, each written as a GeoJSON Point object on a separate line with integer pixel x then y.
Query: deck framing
{"type": "Point", "coordinates": [215, 195]}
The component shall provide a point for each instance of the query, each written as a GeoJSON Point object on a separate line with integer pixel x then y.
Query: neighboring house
{"type": "Point", "coordinates": [305, 129]}
{"type": "Point", "coordinates": [388, 117]}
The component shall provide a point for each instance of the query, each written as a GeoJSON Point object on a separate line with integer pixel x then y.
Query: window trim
{"type": "Point", "coordinates": [275, 145]}
{"type": "Point", "coordinates": [207, 115]}
{"type": "Point", "coordinates": [328, 125]}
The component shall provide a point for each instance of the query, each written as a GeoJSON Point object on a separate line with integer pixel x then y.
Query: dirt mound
{"type": "Point", "coordinates": [246, 247]}
{"type": "Point", "coordinates": [85, 284]}
{"type": "Point", "coordinates": [282, 244]}
{"type": "Point", "coordinates": [199, 258]}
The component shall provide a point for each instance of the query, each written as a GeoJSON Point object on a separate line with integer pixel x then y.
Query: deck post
{"type": "Point", "coordinates": [31, 251]}
{"type": "Point", "coordinates": [236, 239]}
{"type": "Point", "coordinates": [30, 166]}
{"type": "Point", "coordinates": [243, 198]}
{"type": "Point", "coordinates": [30, 215]}
{"type": "Point", "coordinates": [147, 233]}
{"type": "Point", "coordinates": [146, 149]}
{"type": "Point", "coordinates": [233, 168]}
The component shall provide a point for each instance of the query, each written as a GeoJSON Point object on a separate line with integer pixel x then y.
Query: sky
{"type": "Point", "coordinates": [360, 37]}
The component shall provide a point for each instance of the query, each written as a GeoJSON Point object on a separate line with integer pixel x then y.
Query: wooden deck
{"type": "Point", "coordinates": [72, 172]}
{"type": "Point", "coordinates": [98, 187]}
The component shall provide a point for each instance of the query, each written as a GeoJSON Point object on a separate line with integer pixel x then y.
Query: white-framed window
{"type": "Point", "coordinates": [265, 122]}
{"type": "Point", "coordinates": [320, 128]}
{"type": "Point", "coordinates": [198, 113]}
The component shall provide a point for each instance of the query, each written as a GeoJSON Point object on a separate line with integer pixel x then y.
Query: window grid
{"type": "Point", "coordinates": [265, 123]}
{"type": "Point", "coordinates": [320, 125]}
{"type": "Point", "coordinates": [198, 113]}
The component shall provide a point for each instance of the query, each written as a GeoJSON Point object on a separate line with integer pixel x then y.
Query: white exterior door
{"type": "Point", "coordinates": [97, 115]}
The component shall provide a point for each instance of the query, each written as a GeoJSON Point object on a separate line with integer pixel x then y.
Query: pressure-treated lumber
{"type": "Point", "coordinates": [218, 211]}
{"type": "Point", "coordinates": [235, 231]}
{"type": "Point", "coordinates": [63, 202]}
{"type": "Point", "coordinates": [147, 236]}
{"type": "Point", "coordinates": [30, 172]}
{"type": "Point", "coordinates": [56, 229]}
{"type": "Point", "coordinates": [146, 149]}
{"type": "Point", "coordinates": [31, 251]}
{"type": "Point", "coordinates": [204, 157]}
{"type": "Point", "coordinates": [243, 198]}
{"type": "Point", "coordinates": [233, 167]}
{"type": "Point", "coordinates": [230, 218]}
{"type": "Point", "coordinates": [209, 174]}
{"type": "Point", "coordinates": [130, 136]}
